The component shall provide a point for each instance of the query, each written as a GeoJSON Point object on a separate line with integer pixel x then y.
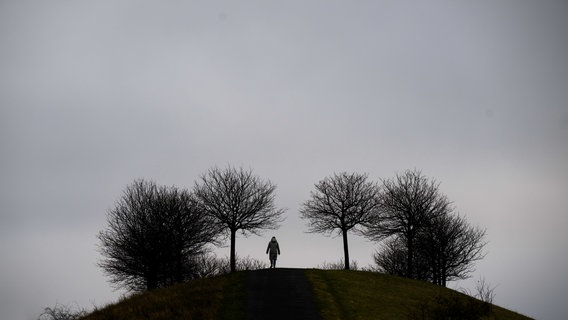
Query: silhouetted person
{"type": "Point", "coordinates": [273, 251]}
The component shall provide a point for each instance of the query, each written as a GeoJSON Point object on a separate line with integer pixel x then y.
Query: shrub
{"type": "Point", "coordinates": [62, 312]}
{"type": "Point", "coordinates": [209, 265]}
{"type": "Point", "coordinates": [338, 265]}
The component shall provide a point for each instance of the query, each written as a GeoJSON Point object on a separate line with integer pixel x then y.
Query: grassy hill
{"type": "Point", "coordinates": [339, 294]}
{"type": "Point", "coordinates": [365, 295]}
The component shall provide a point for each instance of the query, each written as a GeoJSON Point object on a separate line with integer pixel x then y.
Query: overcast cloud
{"type": "Point", "coordinates": [95, 94]}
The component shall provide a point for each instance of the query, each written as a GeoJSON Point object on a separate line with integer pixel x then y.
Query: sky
{"type": "Point", "coordinates": [96, 94]}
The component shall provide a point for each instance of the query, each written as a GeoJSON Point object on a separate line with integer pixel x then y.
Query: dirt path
{"type": "Point", "coordinates": [274, 294]}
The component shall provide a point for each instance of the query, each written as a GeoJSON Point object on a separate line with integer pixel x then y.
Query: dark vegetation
{"type": "Point", "coordinates": [424, 238]}
{"type": "Point", "coordinates": [154, 237]}
{"type": "Point", "coordinates": [420, 234]}
{"type": "Point", "coordinates": [158, 236]}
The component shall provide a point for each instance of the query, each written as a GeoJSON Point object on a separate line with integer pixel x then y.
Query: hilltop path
{"type": "Point", "coordinates": [274, 294]}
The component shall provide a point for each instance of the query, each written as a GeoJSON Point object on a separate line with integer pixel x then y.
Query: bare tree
{"type": "Point", "coordinates": [452, 245]}
{"type": "Point", "coordinates": [341, 202]}
{"type": "Point", "coordinates": [153, 236]}
{"type": "Point", "coordinates": [436, 243]}
{"type": "Point", "coordinates": [238, 200]}
{"type": "Point", "coordinates": [445, 250]}
{"type": "Point", "coordinates": [407, 203]}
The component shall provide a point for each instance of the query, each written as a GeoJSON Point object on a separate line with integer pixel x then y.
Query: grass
{"type": "Point", "coordinates": [212, 298]}
{"type": "Point", "coordinates": [351, 295]}
{"type": "Point", "coordinates": [339, 294]}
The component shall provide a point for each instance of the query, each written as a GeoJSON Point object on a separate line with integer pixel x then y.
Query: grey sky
{"type": "Point", "coordinates": [94, 94]}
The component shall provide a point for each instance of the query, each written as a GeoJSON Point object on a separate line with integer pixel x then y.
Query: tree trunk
{"type": "Point", "coordinates": [151, 280]}
{"type": "Point", "coordinates": [444, 275]}
{"type": "Point", "coordinates": [233, 254]}
{"type": "Point", "coordinates": [345, 249]}
{"type": "Point", "coordinates": [410, 258]}
{"type": "Point", "coordinates": [151, 276]}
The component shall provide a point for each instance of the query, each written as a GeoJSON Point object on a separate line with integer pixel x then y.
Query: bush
{"type": "Point", "coordinates": [209, 265]}
{"type": "Point", "coordinates": [242, 264]}
{"type": "Point", "coordinates": [62, 312]}
{"type": "Point", "coordinates": [338, 265]}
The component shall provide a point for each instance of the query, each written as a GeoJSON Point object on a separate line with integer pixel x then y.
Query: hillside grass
{"type": "Point", "coordinates": [350, 295]}
{"type": "Point", "coordinates": [339, 294]}
{"type": "Point", "coordinates": [220, 297]}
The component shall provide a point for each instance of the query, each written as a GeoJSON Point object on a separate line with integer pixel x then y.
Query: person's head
{"type": "Point", "coordinates": [273, 239]}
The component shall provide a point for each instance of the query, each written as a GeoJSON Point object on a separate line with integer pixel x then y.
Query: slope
{"type": "Point", "coordinates": [342, 294]}
{"type": "Point", "coordinates": [338, 294]}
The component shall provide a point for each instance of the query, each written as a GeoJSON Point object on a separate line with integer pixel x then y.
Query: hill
{"type": "Point", "coordinates": [338, 294]}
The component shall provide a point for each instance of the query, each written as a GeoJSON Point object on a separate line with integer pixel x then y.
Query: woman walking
{"type": "Point", "coordinates": [273, 251]}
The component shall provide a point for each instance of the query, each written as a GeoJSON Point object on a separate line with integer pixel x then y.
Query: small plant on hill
{"type": "Point", "coordinates": [242, 264]}
{"type": "Point", "coordinates": [211, 266]}
{"type": "Point", "coordinates": [338, 265]}
{"type": "Point", "coordinates": [485, 292]}
{"type": "Point", "coordinates": [62, 312]}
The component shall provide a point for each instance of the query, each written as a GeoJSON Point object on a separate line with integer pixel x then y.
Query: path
{"type": "Point", "coordinates": [274, 294]}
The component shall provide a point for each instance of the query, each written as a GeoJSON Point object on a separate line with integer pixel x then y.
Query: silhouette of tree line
{"type": "Point", "coordinates": [421, 235]}
{"type": "Point", "coordinates": [157, 235]}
